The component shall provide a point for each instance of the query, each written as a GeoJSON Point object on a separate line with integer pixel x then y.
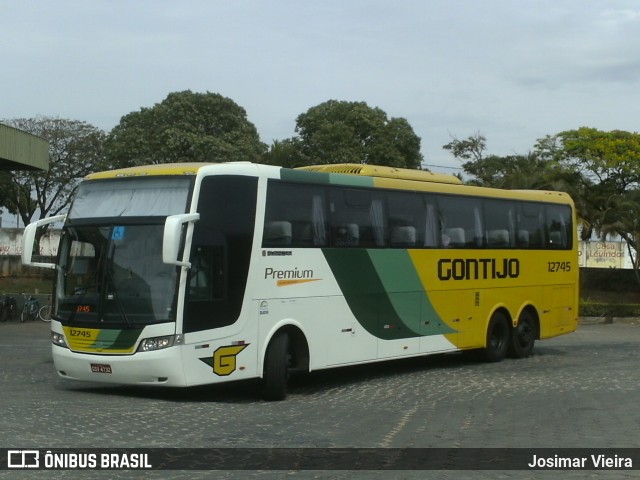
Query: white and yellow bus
{"type": "Point", "coordinates": [190, 274]}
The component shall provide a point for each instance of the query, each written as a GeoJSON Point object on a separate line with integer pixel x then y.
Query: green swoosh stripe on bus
{"type": "Point", "coordinates": [384, 293]}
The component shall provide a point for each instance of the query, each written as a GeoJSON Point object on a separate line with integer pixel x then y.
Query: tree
{"type": "Point", "coordinates": [284, 153]}
{"type": "Point", "coordinates": [622, 218]}
{"type": "Point", "coordinates": [607, 164]}
{"type": "Point", "coordinates": [185, 127]}
{"type": "Point", "coordinates": [531, 171]}
{"type": "Point", "coordinates": [352, 132]}
{"type": "Point", "coordinates": [75, 149]}
{"type": "Point", "coordinates": [471, 149]}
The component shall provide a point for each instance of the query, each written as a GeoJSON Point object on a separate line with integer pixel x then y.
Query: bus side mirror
{"type": "Point", "coordinates": [29, 237]}
{"type": "Point", "coordinates": [173, 235]}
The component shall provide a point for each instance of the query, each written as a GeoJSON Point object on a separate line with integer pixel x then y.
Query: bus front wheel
{"type": "Point", "coordinates": [498, 336]}
{"type": "Point", "coordinates": [276, 368]}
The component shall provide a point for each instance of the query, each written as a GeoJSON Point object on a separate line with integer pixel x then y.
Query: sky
{"type": "Point", "coordinates": [511, 70]}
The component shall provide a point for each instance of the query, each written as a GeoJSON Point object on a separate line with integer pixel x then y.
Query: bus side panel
{"type": "Point", "coordinates": [560, 315]}
{"type": "Point", "coordinates": [298, 286]}
{"type": "Point", "coordinates": [334, 336]}
{"type": "Point", "coordinates": [467, 286]}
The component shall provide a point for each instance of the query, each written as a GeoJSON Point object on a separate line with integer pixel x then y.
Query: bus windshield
{"type": "Point", "coordinates": [115, 275]}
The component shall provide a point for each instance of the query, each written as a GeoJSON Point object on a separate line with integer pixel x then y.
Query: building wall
{"type": "Point", "coordinates": [11, 250]}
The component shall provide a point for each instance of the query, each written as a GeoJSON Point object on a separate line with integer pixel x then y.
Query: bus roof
{"type": "Point", "coordinates": [384, 172]}
{"type": "Point", "coordinates": [144, 170]}
{"type": "Point", "coordinates": [342, 174]}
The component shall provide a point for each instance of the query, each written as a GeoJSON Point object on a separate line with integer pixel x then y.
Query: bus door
{"type": "Point", "coordinates": [220, 252]}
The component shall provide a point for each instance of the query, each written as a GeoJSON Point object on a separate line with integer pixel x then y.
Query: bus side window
{"type": "Point", "coordinates": [294, 216]}
{"type": "Point", "coordinates": [406, 219]}
{"type": "Point", "coordinates": [358, 218]}
{"type": "Point", "coordinates": [461, 222]}
{"type": "Point", "coordinates": [558, 227]}
{"type": "Point", "coordinates": [530, 226]}
{"type": "Point", "coordinates": [499, 221]}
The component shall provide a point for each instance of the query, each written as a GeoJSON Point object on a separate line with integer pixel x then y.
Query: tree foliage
{"type": "Point", "coordinates": [531, 171]}
{"type": "Point", "coordinates": [75, 149]}
{"type": "Point", "coordinates": [622, 218]}
{"type": "Point", "coordinates": [607, 166]}
{"type": "Point", "coordinates": [185, 127]}
{"type": "Point", "coordinates": [285, 153]}
{"type": "Point", "coordinates": [600, 170]}
{"type": "Point", "coordinates": [352, 132]}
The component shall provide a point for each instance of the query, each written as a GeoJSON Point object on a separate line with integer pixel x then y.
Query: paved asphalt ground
{"type": "Point", "coordinates": [581, 390]}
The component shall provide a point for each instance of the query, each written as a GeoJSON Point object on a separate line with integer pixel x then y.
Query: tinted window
{"type": "Point", "coordinates": [303, 215]}
{"type": "Point", "coordinates": [558, 227]}
{"type": "Point", "coordinates": [530, 225]}
{"type": "Point", "coordinates": [499, 221]}
{"type": "Point", "coordinates": [358, 218]}
{"type": "Point", "coordinates": [295, 216]}
{"type": "Point", "coordinates": [461, 222]}
{"type": "Point", "coordinates": [406, 219]}
{"type": "Point", "coordinates": [220, 252]}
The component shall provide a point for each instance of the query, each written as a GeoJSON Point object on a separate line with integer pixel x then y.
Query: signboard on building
{"type": "Point", "coordinates": [595, 254]}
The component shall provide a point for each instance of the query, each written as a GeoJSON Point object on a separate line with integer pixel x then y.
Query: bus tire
{"type": "Point", "coordinates": [498, 336]}
{"type": "Point", "coordinates": [276, 368]}
{"type": "Point", "coordinates": [523, 336]}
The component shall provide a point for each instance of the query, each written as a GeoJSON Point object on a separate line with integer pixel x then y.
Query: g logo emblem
{"type": "Point", "coordinates": [224, 359]}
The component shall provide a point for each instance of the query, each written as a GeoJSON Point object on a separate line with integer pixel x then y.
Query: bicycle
{"type": "Point", "coordinates": [8, 309]}
{"type": "Point", "coordinates": [30, 309]}
{"type": "Point", "coordinates": [44, 313]}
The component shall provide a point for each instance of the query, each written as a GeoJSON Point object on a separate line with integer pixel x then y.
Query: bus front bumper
{"type": "Point", "coordinates": [162, 367]}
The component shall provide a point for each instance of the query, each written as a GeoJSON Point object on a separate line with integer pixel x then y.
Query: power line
{"type": "Point", "coordinates": [441, 166]}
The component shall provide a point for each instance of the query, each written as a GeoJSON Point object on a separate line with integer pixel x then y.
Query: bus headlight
{"type": "Point", "coordinates": [58, 339]}
{"type": "Point", "coordinates": [158, 343]}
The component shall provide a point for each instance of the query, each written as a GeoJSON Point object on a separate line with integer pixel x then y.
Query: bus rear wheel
{"type": "Point", "coordinates": [498, 336]}
{"type": "Point", "coordinates": [523, 336]}
{"type": "Point", "coordinates": [276, 368]}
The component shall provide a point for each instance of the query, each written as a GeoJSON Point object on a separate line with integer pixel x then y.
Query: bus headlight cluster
{"type": "Point", "coordinates": [58, 339]}
{"type": "Point", "coordinates": [158, 343]}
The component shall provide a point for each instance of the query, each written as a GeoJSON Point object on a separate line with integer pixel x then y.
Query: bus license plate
{"type": "Point", "coordinates": [100, 368]}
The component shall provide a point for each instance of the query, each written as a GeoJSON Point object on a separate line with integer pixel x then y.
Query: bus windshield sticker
{"type": "Point", "coordinates": [118, 233]}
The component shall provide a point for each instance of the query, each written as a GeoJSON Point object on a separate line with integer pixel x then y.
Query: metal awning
{"type": "Point", "coordinates": [22, 151]}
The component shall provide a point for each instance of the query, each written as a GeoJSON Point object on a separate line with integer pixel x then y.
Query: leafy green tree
{"type": "Point", "coordinates": [284, 153]}
{"type": "Point", "coordinates": [185, 127]}
{"type": "Point", "coordinates": [607, 165]}
{"type": "Point", "coordinates": [532, 171]}
{"type": "Point", "coordinates": [622, 218]}
{"type": "Point", "coordinates": [471, 149]}
{"type": "Point", "coordinates": [352, 132]}
{"type": "Point", "coordinates": [75, 149]}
